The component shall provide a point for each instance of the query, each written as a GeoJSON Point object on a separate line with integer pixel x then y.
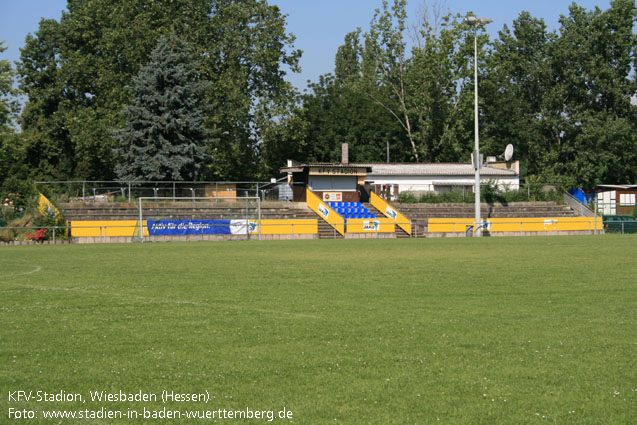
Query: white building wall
{"type": "Point", "coordinates": [607, 202]}
{"type": "Point", "coordinates": [440, 183]}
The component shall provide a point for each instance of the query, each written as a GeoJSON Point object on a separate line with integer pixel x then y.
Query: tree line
{"type": "Point", "coordinates": [196, 90]}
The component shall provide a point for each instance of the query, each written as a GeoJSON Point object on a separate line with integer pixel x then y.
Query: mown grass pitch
{"type": "Point", "coordinates": [465, 331]}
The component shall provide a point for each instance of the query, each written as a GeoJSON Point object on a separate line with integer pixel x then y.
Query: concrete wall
{"type": "Point", "coordinates": [557, 233]}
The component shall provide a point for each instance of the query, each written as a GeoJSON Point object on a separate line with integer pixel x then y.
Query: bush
{"type": "Point", "coordinates": [13, 206]}
{"type": "Point", "coordinates": [490, 193]}
{"type": "Point", "coordinates": [39, 235]}
{"type": "Point", "coordinates": [407, 198]}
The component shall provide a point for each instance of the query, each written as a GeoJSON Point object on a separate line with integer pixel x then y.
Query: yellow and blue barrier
{"type": "Point", "coordinates": [390, 212]}
{"type": "Point", "coordinates": [325, 212]}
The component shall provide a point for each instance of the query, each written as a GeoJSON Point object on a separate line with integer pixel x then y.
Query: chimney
{"type": "Point", "coordinates": [344, 154]}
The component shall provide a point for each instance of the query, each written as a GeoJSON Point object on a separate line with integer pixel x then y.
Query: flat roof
{"type": "Point", "coordinates": [409, 169]}
{"type": "Point", "coordinates": [444, 169]}
{"type": "Point", "coordinates": [617, 186]}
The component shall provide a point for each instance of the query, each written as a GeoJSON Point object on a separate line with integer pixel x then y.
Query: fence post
{"type": "Point", "coordinates": [247, 221]}
{"type": "Point", "coordinates": [54, 235]}
{"type": "Point", "coordinates": [141, 223]}
{"type": "Point", "coordinates": [259, 214]}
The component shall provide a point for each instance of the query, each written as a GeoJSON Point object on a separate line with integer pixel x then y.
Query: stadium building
{"type": "Point", "coordinates": [353, 182]}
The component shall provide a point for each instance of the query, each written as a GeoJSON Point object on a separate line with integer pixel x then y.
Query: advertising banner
{"type": "Point", "coordinates": [332, 196]}
{"type": "Point", "coordinates": [200, 227]}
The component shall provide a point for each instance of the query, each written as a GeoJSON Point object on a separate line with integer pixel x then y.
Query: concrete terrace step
{"type": "Point", "coordinates": [514, 210]}
{"type": "Point", "coordinates": [325, 231]}
{"type": "Point", "coordinates": [182, 211]}
{"type": "Point", "coordinates": [419, 214]}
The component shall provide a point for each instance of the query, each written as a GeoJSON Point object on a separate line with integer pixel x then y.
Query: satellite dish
{"type": "Point", "coordinates": [508, 153]}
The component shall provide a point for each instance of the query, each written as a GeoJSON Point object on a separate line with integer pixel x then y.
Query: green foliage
{"type": "Point", "coordinates": [164, 138]}
{"type": "Point", "coordinates": [8, 102]}
{"type": "Point", "coordinates": [429, 93]}
{"type": "Point", "coordinates": [453, 196]}
{"type": "Point", "coordinates": [75, 73]}
{"type": "Point", "coordinates": [564, 98]}
{"type": "Point", "coordinates": [11, 154]}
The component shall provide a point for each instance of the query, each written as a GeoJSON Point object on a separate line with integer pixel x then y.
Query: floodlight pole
{"type": "Point", "coordinates": [477, 163]}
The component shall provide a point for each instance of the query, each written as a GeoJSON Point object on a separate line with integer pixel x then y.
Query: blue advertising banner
{"type": "Point", "coordinates": [198, 227]}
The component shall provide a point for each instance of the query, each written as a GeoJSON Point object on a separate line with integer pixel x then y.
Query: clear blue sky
{"type": "Point", "coordinates": [319, 25]}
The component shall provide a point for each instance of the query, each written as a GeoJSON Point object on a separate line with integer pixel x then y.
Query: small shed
{"type": "Point", "coordinates": [331, 182]}
{"type": "Point", "coordinates": [616, 199]}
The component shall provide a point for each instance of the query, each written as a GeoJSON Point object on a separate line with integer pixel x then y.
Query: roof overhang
{"type": "Point", "coordinates": [605, 187]}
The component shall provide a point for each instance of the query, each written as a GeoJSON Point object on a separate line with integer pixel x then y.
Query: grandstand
{"type": "Point", "coordinates": [284, 220]}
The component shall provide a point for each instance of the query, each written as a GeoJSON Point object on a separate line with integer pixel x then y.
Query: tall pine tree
{"type": "Point", "coordinates": [164, 138]}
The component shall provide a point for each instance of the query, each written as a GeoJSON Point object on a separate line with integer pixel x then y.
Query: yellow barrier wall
{"type": "Point", "coordinates": [542, 224]}
{"type": "Point", "coordinates": [82, 229]}
{"type": "Point", "coordinates": [381, 205]}
{"type": "Point", "coordinates": [289, 227]}
{"type": "Point", "coordinates": [370, 225]}
{"type": "Point", "coordinates": [325, 212]}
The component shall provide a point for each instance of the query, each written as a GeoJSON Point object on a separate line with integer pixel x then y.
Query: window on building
{"type": "Point", "coordinates": [627, 199]}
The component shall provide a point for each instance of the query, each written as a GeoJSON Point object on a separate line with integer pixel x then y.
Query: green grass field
{"type": "Point", "coordinates": [449, 331]}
